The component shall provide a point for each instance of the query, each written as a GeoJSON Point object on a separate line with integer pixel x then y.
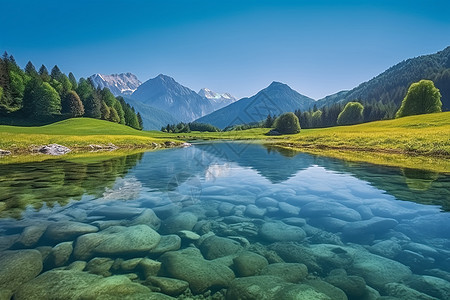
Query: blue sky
{"type": "Point", "coordinates": [317, 47]}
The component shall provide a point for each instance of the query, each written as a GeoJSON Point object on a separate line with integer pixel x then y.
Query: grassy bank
{"type": "Point", "coordinates": [77, 134]}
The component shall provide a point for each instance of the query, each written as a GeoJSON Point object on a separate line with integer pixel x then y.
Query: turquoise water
{"type": "Point", "coordinates": [223, 221]}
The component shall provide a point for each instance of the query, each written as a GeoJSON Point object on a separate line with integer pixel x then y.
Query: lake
{"type": "Point", "coordinates": [223, 220]}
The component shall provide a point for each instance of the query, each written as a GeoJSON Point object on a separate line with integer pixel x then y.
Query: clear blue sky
{"type": "Point", "coordinates": [318, 47]}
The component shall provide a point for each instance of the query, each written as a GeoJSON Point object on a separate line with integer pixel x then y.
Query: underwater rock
{"type": "Point", "coordinates": [147, 217]}
{"type": "Point", "coordinates": [100, 266]}
{"type": "Point", "coordinates": [353, 286]}
{"type": "Point", "coordinates": [169, 286]}
{"type": "Point", "coordinates": [18, 267]}
{"type": "Point", "coordinates": [214, 247]}
{"type": "Point", "coordinates": [64, 284]}
{"type": "Point", "coordinates": [295, 253]}
{"type": "Point", "coordinates": [149, 267]}
{"type": "Point", "coordinates": [181, 221]}
{"type": "Point", "coordinates": [254, 211]}
{"type": "Point", "coordinates": [433, 286]}
{"type": "Point", "coordinates": [249, 263]}
{"type": "Point", "coordinates": [331, 257]}
{"type": "Point", "coordinates": [188, 235]}
{"type": "Point", "coordinates": [288, 209]}
{"type": "Point", "coordinates": [387, 248]}
{"type": "Point", "coordinates": [116, 212]}
{"type": "Point", "coordinates": [329, 209]}
{"type": "Point", "coordinates": [167, 210]}
{"type": "Point", "coordinates": [266, 202]}
{"type": "Point", "coordinates": [183, 264]}
{"type": "Point", "coordinates": [117, 240]}
{"type": "Point", "coordinates": [67, 230]}
{"type": "Point", "coordinates": [59, 255]}
{"type": "Point", "coordinates": [281, 232]}
{"type": "Point", "coordinates": [401, 291]}
{"type": "Point", "coordinates": [169, 242]}
{"type": "Point", "coordinates": [31, 235]}
{"type": "Point", "coordinates": [225, 209]}
{"type": "Point", "coordinates": [377, 270]}
{"type": "Point", "coordinates": [328, 223]}
{"type": "Point", "coordinates": [289, 272]}
{"type": "Point", "coordinates": [78, 265]}
{"type": "Point", "coordinates": [294, 221]}
{"type": "Point", "coordinates": [255, 288]}
{"type": "Point", "coordinates": [376, 225]}
{"type": "Point", "coordinates": [326, 288]}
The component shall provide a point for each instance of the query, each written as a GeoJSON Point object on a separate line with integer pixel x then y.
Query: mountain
{"type": "Point", "coordinates": [164, 93]}
{"type": "Point", "coordinates": [119, 84]}
{"type": "Point", "coordinates": [391, 86]}
{"type": "Point", "coordinates": [152, 117]}
{"type": "Point", "coordinates": [276, 99]}
{"type": "Point", "coordinates": [218, 100]}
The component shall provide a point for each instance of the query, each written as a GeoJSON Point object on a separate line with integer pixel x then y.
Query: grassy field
{"type": "Point", "coordinates": [76, 133]}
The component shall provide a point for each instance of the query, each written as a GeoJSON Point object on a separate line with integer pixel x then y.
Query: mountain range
{"type": "Point", "coordinates": [162, 100]}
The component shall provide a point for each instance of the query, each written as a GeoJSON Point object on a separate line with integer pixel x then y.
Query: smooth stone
{"type": "Point", "coordinates": [117, 240]}
{"type": "Point", "coordinates": [255, 288]}
{"type": "Point", "coordinates": [288, 209]}
{"type": "Point", "coordinates": [214, 247]}
{"type": "Point", "coordinates": [249, 263]}
{"type": "Point", "coordinates": [329, 209]}
{"type": "Point", "coordinates": [376, 225]}
{"type": "Point", "coordinates": [416, 261]}
{"type": "Point", "coordinates": [266, 201]}
{"type": "Point", "coordinates": [78, 265]}
{"type": "Point", "coordinates": [378, 270]}
{"type": "Point", "coordinates": [65, 284]}
{"type": "Point", "coordinates": [100, 266]}
{"type": "Point", "coordinates": [331, 257]}
{"type": "Point", "coordinates": [31, 235]}
{"type": "Point", "coordinates": [59, 255]}
{"type": "Point", "coordinates": [235, 219]}
{"type": "Point", "coordinates": [295, 253]}
{"type": "Point", "coordinates": [433, 286]}
{"type": "Point", "coordinates": [116, 212]}
{"type": "Point", "coordinates": [326, 288]}
{"type": "Point", "coordinates": [181, 221]}
{"type": "Point", "coordinates": [225, 209]}
{"type": "Point", "coordinates": [390, 210]}
{"type": "Point", "coordinates": [281, 232]}
{"type": "Point", "coordinates": [166, 211]}
{"type": "Point", "coordinates": [328, 223]}
{"type": "Point", "coordinates": [386, 248]}
{"type": "Point", "coordinates": [6, 241]}
{"type": "Point", "coordinates": [45, 251]}
{"type": "Point", "coordinates": [353, 286]}
{"type": "Point", "coordinates": [300, 222]}
{"type": "Point", "coordinates": [169, 242]}
{"type": "Point", "coordinates": [183, 264]}
{"type": "Point", "coordinates": [18, 267]}
{"type": "Point", "coordinates": [129, 265]}
{"type": "Point", "coordinates": [67, 231]}
{"type": "Point", "coordinates": [422, 249]}
{"type": "Point", "coordinates": [300, 292]}
{"type": "Point", "coordinates": [254, 211]}
{"type": "Point", "coordinates": [438, 273]}
{"type": "Point", "coordinates": [147, 217]}
{"type": "Point", "coordinates": [188, 235]}
{"type": "Point", "coordinates": [149, 267]}
{"type": "Point", "coordinates": [365, 212]}
{"type": "Point", "coordinates": [289, 272]}
{"type": "Point", "coordinates": [401, 291]}
{"type": "Point", "coordinates": [169, 286]}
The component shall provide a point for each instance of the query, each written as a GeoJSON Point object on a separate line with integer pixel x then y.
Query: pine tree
{"type": "Point", "coordinates": [92, 107]}
{"type": "Point", "coordinates": [113, 116]}
{"type": "Point", "coordinates": [105, 111]}
{"type": "Point", "coordinates": [55, 73]}
{"type": "Point", "coordinates": [43, 72]}
{"type": "Point", "coordinates": [73, 81]}
{"type": "Point", "coordinates": [30, 69]}
{"type": "Point", "coordinates": [140, 121]}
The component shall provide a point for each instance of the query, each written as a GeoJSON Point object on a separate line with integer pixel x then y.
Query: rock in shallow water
{"type": "Point", "coordinates": [117, 240]}
{"type": "Point", "coordinates": [289, 272]}
{"type": "Point", "coordinates": [214, 247]}
{"type": "Point", "coordinates": [189, 265]}
{"type": "Point", "coordinates": [281, 232]}
{"type": "Point", "coordinates": [67, 231]}
{"type": "Point", "coordinates": [18, 267]}
{"type": "Point", "coordinates": [64, 284]}
{"type": "Point", "coordinates": [249, 263]}
{"type": "Point", "coordinates": [182, 221]}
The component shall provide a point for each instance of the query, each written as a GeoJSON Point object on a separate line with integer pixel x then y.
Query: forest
{"type": "Point", "coordinates": [31, 97]}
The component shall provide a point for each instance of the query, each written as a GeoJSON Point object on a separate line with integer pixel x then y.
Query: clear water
{"type": "Point", "coordinates": [347, 222]}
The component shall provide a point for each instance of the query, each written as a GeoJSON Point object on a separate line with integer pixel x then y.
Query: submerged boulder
{"type": "Point", "coordinates": [281, 232]}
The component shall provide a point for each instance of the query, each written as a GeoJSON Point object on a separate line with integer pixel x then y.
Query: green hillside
{"type": "Point", "coordinates": [77, 133]}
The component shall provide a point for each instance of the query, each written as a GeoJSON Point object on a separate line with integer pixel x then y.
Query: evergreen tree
{"type": "Point", "coordinates": [72, 105]}
{"type": "Point", "coordinates": [43, 72]}
{"type": "Point", "coordinates": [73, 81]}
{"type": "Point", "coordinates": [41, 99]}
{"type": "Point", "coordinates": [92, 107]}
{"type": "Point", "coordinates": [55, 73]}
{"type": "Point", "coordinates": [316, 119]}
{"type": "Point", "coordinates": [269, 122]}
{"type": "Point", "coordinates": [105, 111]}
{"type": "Point", "coordinates": [140, 121]}
{"type": "Point", "coordinates": [113, 116]}
{"type": "Point", "coordinates": [118, 107]}
{"type": "Point", "coordinates": [422, 98]}
{"type": "Point", "coordinates": [30, 69]}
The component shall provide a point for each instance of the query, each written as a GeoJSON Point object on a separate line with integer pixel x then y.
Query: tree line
{"type": "Point", "coordinates": [40, 94]}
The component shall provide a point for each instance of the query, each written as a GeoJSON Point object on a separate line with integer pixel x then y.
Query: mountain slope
{"type": "Point", "coordinates": [391, 86]}
{"type": "Point", "coordinates": [152, 117]}
{"type": "Point", "coordinates": [119, 84]}
{"type": "Point", "coordinates": [217, 100]}
{"type": "Point", "coordinates": [277, 98]}
{"type": "Point", "coordinates": [164, 93]}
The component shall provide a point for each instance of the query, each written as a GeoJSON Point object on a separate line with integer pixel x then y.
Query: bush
{"type": "Point", "coordinates": [351, 114]}
{"type": "Point", "coordinates": [287, 123]}
{"type": "Point", "coordinates": [422, 98]}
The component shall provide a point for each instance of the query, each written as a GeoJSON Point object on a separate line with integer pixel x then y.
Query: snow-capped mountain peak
{"type": "Point", "coordinates": [218, 100]}
{"type": "Point", "coordinates": [119, 84]}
